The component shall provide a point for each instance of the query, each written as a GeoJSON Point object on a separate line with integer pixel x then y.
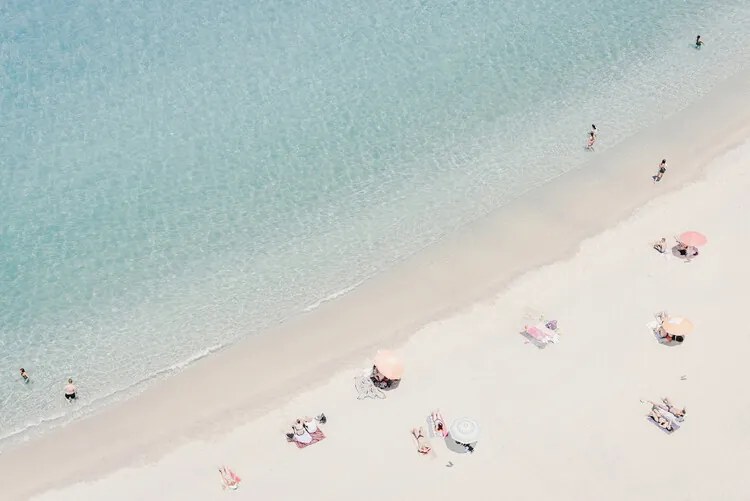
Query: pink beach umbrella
{"type": "Point", "coordinates": [692, 239]}
{"type": "Point", "coordinates": [389, 364]}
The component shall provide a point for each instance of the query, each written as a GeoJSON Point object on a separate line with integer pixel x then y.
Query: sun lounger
{"type": "Point", "coordinates": [317, 436]}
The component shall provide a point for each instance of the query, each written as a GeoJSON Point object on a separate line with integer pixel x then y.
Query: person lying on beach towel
{"type": "Point", "coordinates": [229, 479]}
{"type": "Point", "coordinates": [423, 445]}
{"type": "Point", "coordinates": [382, 382]}
{"type": "Point", "coordinates": [672, 409]}
{"type": "Point", "coordinates": [305, 431]}
{"type": "Point", "coordinates": [660, 419]}
{"type": "Point", "coordinates": [437, 424]}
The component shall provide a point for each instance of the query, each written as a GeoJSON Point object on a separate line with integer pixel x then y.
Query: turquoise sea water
{"type": "Point", "coordinates": [177, 177]}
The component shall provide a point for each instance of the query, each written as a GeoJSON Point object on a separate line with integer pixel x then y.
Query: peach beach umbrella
{"type": "Point", "coordinates": [389, 364]}
{"type": "Point", "coordinates": [692, 239]}
{"type": "Point", "coordinates": [677, 326]}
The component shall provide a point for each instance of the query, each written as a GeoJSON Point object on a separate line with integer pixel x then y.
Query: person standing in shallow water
{"type": "Point", "coordinates": [24, 375]}
{"type": "Point", "coordinates": [591, 142]}
{"type": "Point", "coordinates": [662, 170]}
{"type": "Point", "coordinates": [698, 42]}
{"type": "Point", "coordinates": [70, 390]}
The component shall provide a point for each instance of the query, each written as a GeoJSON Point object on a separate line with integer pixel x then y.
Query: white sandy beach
{"type": "Point", "coordinates": [565, 422]}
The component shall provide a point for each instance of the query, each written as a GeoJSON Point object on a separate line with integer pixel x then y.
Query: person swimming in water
{"type": "Point", "coordinates": [698, 42]}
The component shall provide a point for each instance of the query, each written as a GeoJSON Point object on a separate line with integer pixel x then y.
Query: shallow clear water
{"type": "Point", "coordinates": [176, 178]}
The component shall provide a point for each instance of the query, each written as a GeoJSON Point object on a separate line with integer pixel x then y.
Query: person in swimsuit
{"type": "Point", "coordinates": [592, 141]}
{"type": "Point", "coordinates": [229, 479]}
{"type": "Point", "coordinates": [423, 445]}
{"type": "Point", "coordinates": [24, 375]}
{"type": "Point", "coordinates": [300, 433]}
{"type": "Point", "coordinates": [686, 251]}
{"type": "Point", "coordinates": [70, 390]}
{"type": "Point", "coordinates": [661, 245]}
{"type": "Point", "coordinates": [666, 336]}
{"type": "Point", "coordinates": [659, 418]}
{"type": "Point", "coordinates": [382, 382]}
{"type": "Point", "coordinates": [698, 42]}
{"type": "Point", "coordinates": [672, 409]}
{"type": "Point", "coordinates": [302, 429]}
{"type": "Point", "coordinates": [662, 170]}
{"type": "Point", "coordinates": [593, 129]}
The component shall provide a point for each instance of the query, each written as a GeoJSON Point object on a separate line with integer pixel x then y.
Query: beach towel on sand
{"type": "Point", "coordinates": [366, 389]}
{"type": "Point", "coordinates": [317, 436]}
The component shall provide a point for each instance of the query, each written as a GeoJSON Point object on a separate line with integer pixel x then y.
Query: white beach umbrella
{"type": "Point", "coordinates": [464, 430]}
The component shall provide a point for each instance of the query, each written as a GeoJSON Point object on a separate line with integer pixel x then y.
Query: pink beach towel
{"type": "Point", "coordinates": [317, 436]}
{"type": "Point", "coordinates": [541, 333]}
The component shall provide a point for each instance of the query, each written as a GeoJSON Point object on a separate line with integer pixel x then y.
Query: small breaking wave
{"type": "Point", "coordinates": [333, 296]}
{"type": "Point", "coordinates": [87, 407]}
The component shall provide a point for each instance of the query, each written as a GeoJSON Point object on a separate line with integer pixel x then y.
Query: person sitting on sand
{"type": "Point", "coordinates": [300, 433]}
{"type": "Point", "coordinates": [423, 445]}
{"type": "Point", "coordinates": [686, 251]}
{"type": "Point", "coordinates": [592, 141]}
{"type": "Point", "coordinates": [24, 375]}
{"type": "Point", "coordinates": [672, 409]}
{"type": "Point", "coordinates": [662, 317]}
{"type": "Point", "coordinates": [303, 428]}
{"type": "Point", "coordinates": [660, 419]}
{"type": "Point", "coordinates": [669, 338]}
{"type": "Point", "coordinates": [382, 382]}
{"type": "Point", "coordinates": [661, 245]}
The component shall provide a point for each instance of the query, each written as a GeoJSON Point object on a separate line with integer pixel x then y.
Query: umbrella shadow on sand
{"type": "Point", "coordinates": [681, 253]}
{"type": "Point", "coordinates": [454, 446]}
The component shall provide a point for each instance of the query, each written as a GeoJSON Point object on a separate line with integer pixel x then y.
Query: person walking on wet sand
{"type": "Point", "coordinates": [24, 375]}
{"type": "Point", "coordinates": [662, 170]}
{"type": "Point", "coordinates": [70, 390]}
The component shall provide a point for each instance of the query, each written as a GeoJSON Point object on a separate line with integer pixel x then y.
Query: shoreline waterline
{"type": "Point", "coordinates": [545, 226]}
